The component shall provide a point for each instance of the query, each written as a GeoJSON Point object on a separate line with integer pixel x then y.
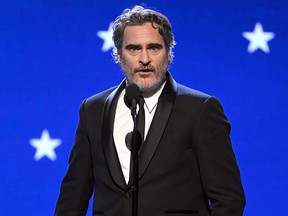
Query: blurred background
{"type": "Point", "coordinates": [53, 54]}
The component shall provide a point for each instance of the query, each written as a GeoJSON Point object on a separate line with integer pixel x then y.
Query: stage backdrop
{"type": "Point", "coordinates": [55, 53]}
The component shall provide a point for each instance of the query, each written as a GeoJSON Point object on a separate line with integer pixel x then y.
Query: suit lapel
{"type": "Point", "coordinates": [109, 148]}
{"type": "Point", "coordinates": [159, 122]}
{"type": "Point", "coordinates": [161, 117]}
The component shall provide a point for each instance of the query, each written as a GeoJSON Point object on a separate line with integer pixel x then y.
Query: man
{"type": "Point", "coordinates": [186, 163]}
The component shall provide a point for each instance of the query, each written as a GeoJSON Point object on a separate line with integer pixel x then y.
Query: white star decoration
{"type": "Point", "coordinates": [107, 37]}
{"type": "Point", "coordinates": [45, 146]}
{"type": "Point", "coordinates": [258, 39]}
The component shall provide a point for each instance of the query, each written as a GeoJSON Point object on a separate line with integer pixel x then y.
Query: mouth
{"type": "Point", "coordinates": [145, 73]}
{"type": "Point", "coordinates": [145, 70]}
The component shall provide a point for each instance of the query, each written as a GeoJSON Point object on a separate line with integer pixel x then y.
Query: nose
{"type": "Point", "coordinates": [144, 57]}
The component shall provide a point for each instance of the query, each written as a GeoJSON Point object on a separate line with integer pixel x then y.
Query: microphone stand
{"type": "Point", "coordinates": [134, 157]}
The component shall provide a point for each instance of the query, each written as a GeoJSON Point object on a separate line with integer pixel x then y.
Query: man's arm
{"type": "Point", "coordinates": [217, 163]}
{"type": "Point", "coordinates": [77, 185]}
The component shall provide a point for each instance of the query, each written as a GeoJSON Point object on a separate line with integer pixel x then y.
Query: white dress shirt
{"type": "Point", "coordinates": [123, 124]}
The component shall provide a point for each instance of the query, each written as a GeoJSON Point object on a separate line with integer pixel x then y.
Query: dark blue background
{"type": "Point", "coordinates": [51, 59]}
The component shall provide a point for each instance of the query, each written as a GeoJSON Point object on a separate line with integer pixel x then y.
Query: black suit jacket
{"type": "Point", "coordinates": [186, 165]}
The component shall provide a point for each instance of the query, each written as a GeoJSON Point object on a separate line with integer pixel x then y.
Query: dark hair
{"type": "Point", "coordinates": [138, 16]}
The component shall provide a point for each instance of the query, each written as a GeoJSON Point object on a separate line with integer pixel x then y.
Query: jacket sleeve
{"type": "Point", "coordinates": [219, 171]}
{"type": "Point", "coordinates": [77, 185]}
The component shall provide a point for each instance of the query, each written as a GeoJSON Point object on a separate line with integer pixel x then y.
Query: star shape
{"type": "Point", "coordinates": [107, 37]}
{"type": "Point", "coordinates": [258, 39]}
{"type": "Point", "coordinates": [45, 146]}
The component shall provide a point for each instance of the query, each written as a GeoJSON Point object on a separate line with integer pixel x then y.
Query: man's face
{"type": "Point", "coordinates": [144, 58]}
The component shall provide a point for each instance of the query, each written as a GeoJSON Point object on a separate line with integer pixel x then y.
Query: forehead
{"type": "Point", "coordinates": [142, 34]}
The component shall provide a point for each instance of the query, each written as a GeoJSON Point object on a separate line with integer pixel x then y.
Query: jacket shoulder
{"type": "Point", "coordinates": [98, 98]}
{"type": "Point", "coordinates": [197, 99]}
{"type": "Point", "coordinates": [186, 92]}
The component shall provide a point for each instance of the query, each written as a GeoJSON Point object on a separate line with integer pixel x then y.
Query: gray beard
{"type": "Point", "coordinates": [148, 91]}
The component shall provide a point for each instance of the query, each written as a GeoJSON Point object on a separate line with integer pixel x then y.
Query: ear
{"type": "Point", "coordinates": [169, 57]}
{"type": "Point", "coordinates": [118, 57]}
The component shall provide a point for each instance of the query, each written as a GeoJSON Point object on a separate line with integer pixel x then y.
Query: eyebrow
{"type": "Point", "coordinates": [155, 45]}
{"type": "Point", "coordinates": [138, 46]}
{"type": "Point", "coordinates": [135, 46]}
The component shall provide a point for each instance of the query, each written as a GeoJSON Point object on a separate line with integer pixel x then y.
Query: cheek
{"type": "Point", "coordinates": [163, 62]}
{"type": "Point", "coordinates": [126, 66]}
{"type": "Point", "coordinates": [128, 63]}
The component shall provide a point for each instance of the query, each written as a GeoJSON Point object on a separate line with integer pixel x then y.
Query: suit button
{"type": "Point", "coordinates": [127, 194]}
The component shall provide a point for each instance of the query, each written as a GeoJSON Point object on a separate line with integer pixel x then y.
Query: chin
{"type": "Point", "coordinates": [149, 87]}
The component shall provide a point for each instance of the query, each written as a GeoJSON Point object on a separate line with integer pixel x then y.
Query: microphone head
{"type": "Point", "coordinates": [132, 92]}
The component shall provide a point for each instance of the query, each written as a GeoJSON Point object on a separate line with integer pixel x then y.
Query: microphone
{"type": "Point", "coordinates": [131, 97]}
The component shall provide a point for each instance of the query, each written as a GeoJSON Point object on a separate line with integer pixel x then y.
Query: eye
{"type": "Point", "coordinates": [155, 48]}
{"type": "Point", "coordinates": [133, 50]}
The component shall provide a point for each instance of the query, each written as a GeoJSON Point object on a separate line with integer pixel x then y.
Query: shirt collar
{"type": "Point", "coordinates": [153, 100]}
